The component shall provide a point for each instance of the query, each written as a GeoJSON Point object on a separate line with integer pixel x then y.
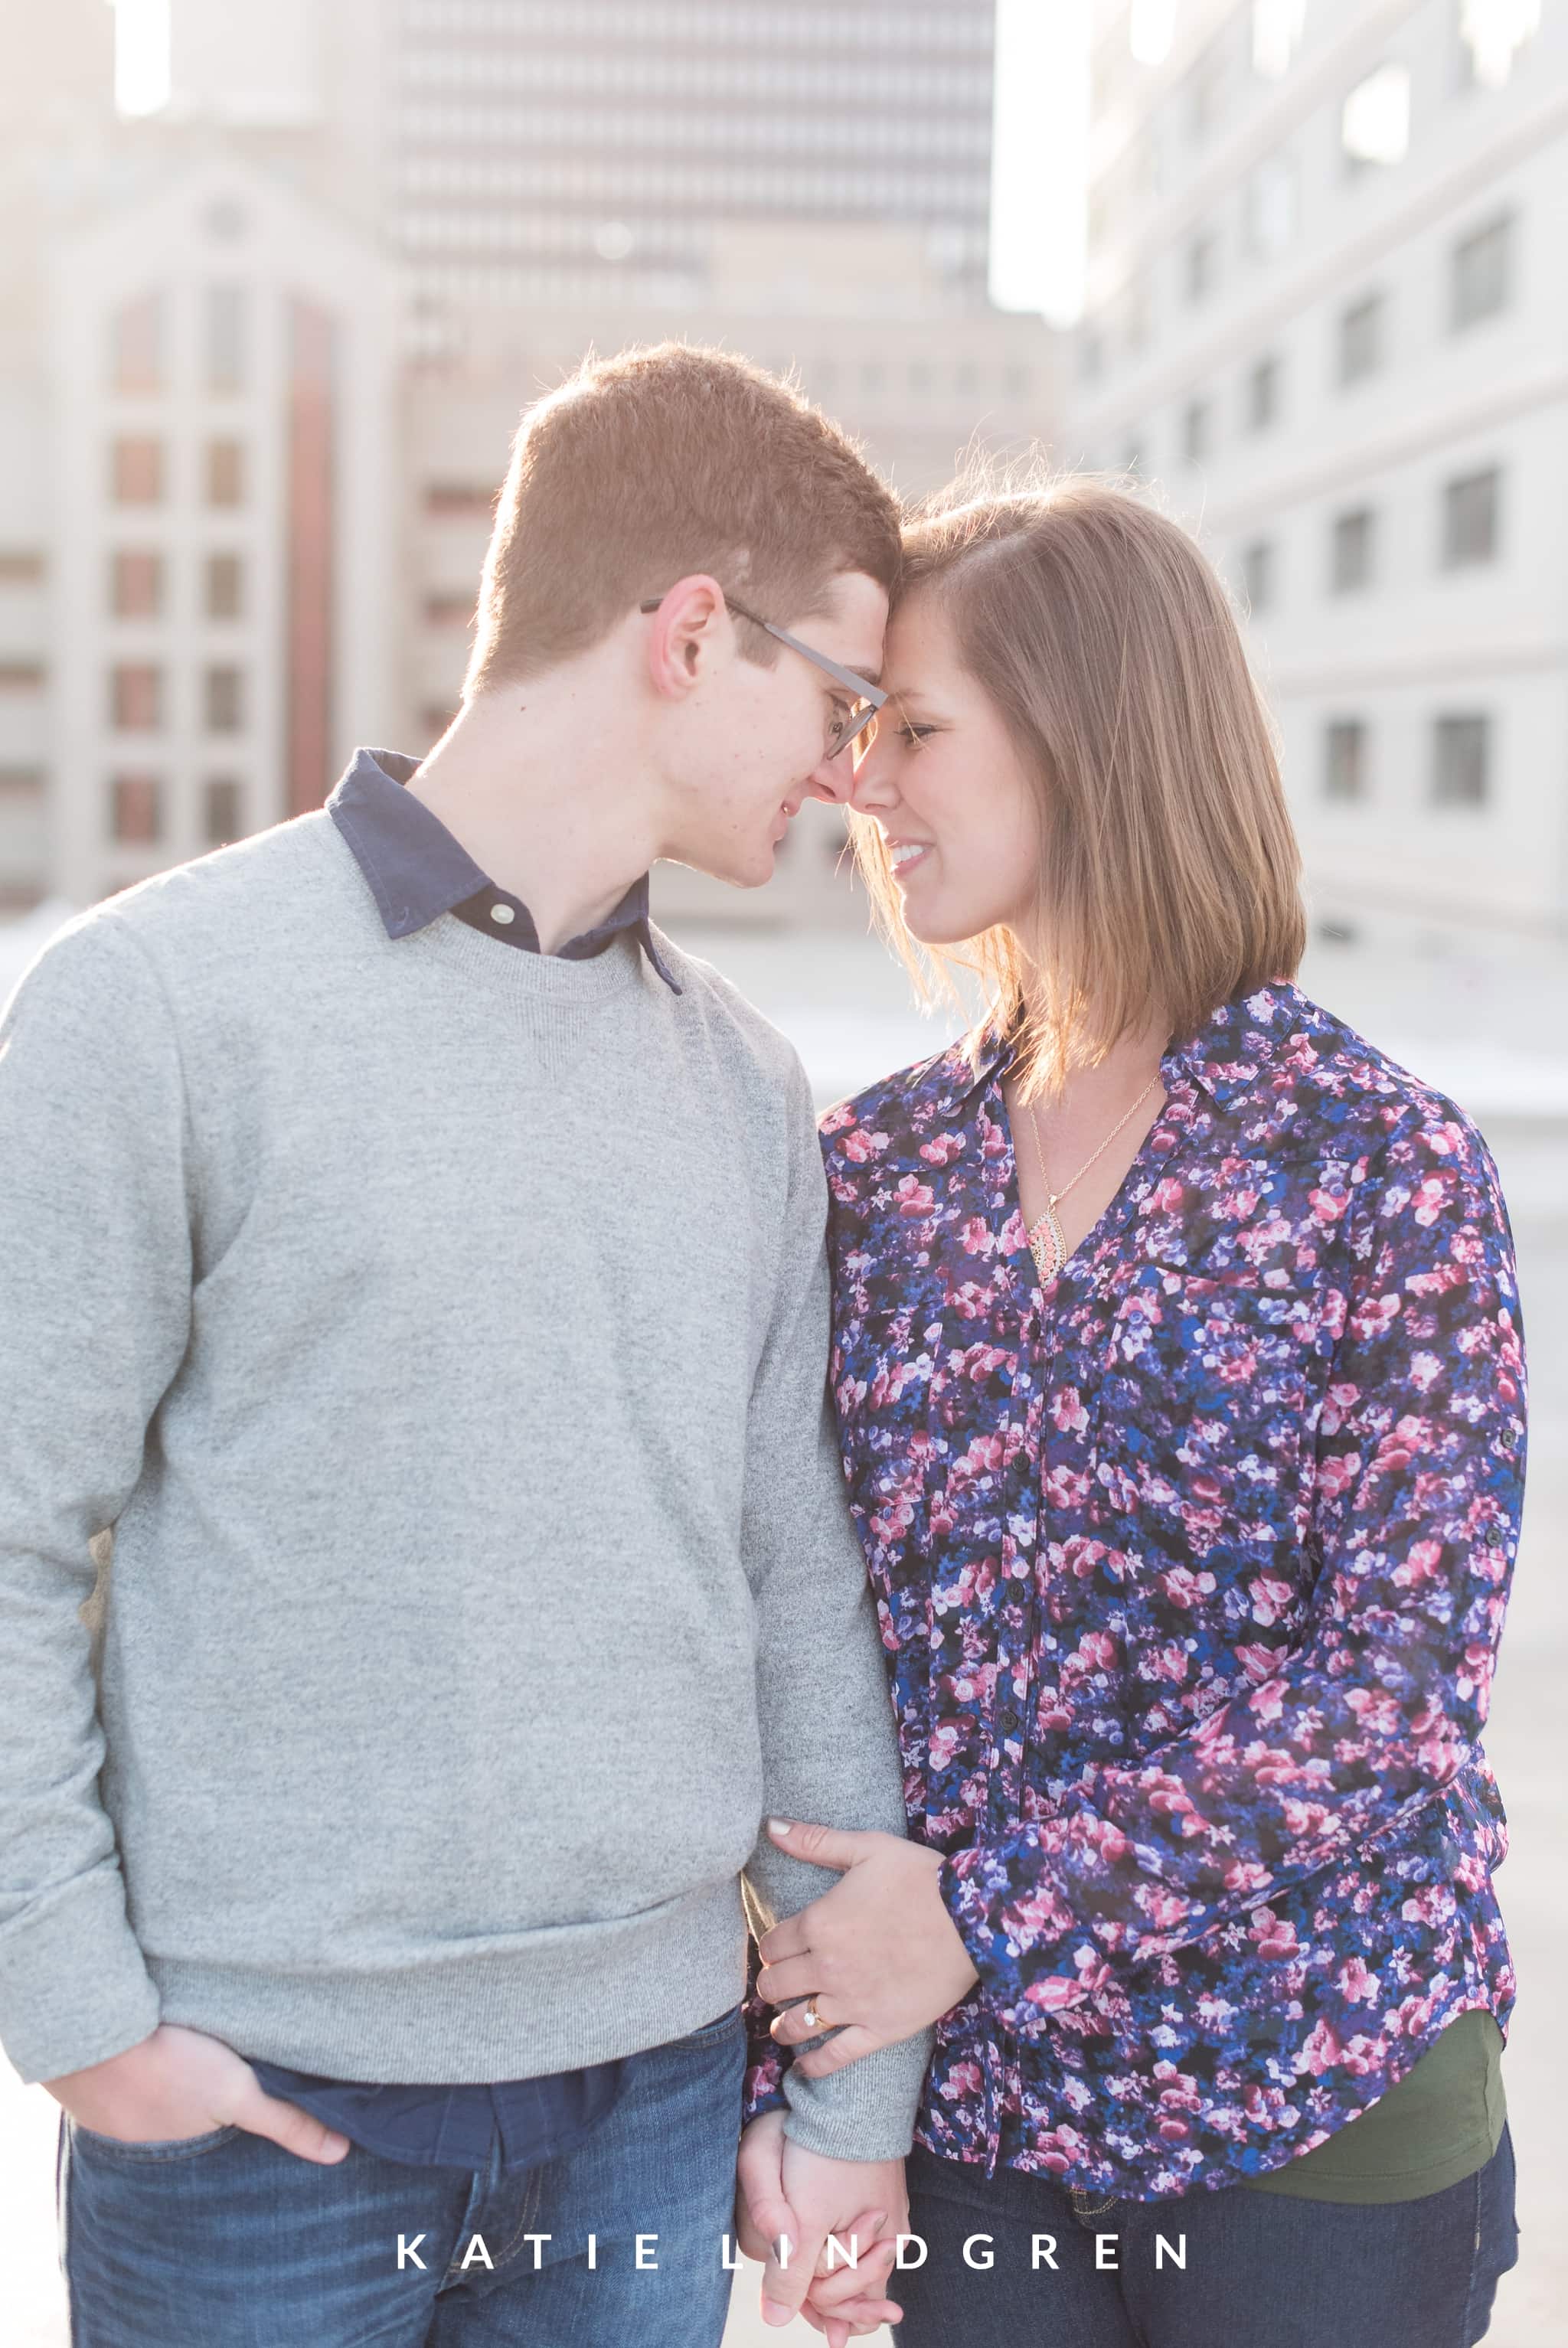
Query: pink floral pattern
{"type": "Point", "coordinates": [1190, 1572]}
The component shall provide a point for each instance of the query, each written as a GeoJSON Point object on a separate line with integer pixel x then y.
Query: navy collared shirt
{"type": "Point", "coordinates": [417, 870]}
{"type": "Point", "coordinates": [535, 2120]}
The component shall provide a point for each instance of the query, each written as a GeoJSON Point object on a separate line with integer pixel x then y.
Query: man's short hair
{"type": "Point", "coordinates": [644, 467]}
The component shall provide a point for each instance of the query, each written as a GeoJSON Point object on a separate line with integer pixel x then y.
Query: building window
{"type": "Point", "coordinates": [223, 699]}
{"type": "Point", "coordinates": [223, 324]}
{"type": "Point", "coordinates": [1277, 28]}
{"type": "Point", "coordinates": [1471, 518]}
{"type": "Point", "coordinates": [223, 811]}
{"type": "Point", "coordinates": [21, 787]}
{"type": "Point", "coordinates": [24, 838]}
{"type": "Point", "coordinates": [20, 566]}
{"type": "Point", "coordinates": [1258, 567]}
{"type": "Point", "coordinates": [1344, 758]}
{"type": "Point", "coordinates": [135, 698]}
{"type": "Point", "coordinates": [136, 811]}
{"type": "Point", "coordinates": [225, 473]}
{"type": "Point", "coordinates": [135, 471]}
{"type": "Point", "coordinates": [1351, 544]}
{"type": "Point", "coordinates": [1272, 207]}
{"type": "Point", "coordinates": [1482, 268]}
{"type": "Point", "coordinates": [1196, 433]}
{"type": "Point", "coordinates": [465, 499]}
{"type": "Point", "coordinates": [1264, 395]}
{"type": "Point", "coordinates": [449, 611]}
{"type": "Point", "coordinates": [1203, 265]}
{"type": "Point", "coordinates": [135, 583]}
{"type": "Point", "coordinates": [225, 586]}
{"type": "Point", "coordinates": [1493, 32]}
{"type": "Point", "coordinates": [226, 221]}
{"type": "Point", "coordinates": [1375, 125]}
{"type": "Point", "coordinates": [1203, 89]}
{"type": "Point", "coordinates": [1150, 29]}
{"type": "Point", "coordinates": [1462, 761]}
{"type": "Point", "coordinates": [1361, 338]}
{"type": "Point", "coordinates": [136, 346]}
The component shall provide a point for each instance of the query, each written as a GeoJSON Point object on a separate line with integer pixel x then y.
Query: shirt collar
{"type": "Point", "coordinates": [1233, 1048]}
{"type": "Point", "coordinates": [416, 871]}
{"type": "Point", "coordinates": [1225, 1056]}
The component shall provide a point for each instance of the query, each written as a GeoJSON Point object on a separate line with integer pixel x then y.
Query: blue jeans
{"type": "Point", "coordinates": [1262, 2270]}
{"type": "Point", "coordinates": [225, 2240]}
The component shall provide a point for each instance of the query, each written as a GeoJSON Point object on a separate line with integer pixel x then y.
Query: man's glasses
{"type": "Point", "coordinates": [847, 724]}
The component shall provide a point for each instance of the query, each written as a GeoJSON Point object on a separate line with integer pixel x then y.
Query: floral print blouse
{"type": "Point", "coordinates": [1190, 1571]}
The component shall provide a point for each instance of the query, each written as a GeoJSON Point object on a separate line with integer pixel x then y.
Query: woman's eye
{"type": "Point", "coordinates": [914, 735]}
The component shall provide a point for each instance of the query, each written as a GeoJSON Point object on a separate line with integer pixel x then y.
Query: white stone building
{"type": "Point", "coordinates": [219, 447]}
{"type": "Point", "coordinates": [1325, 320]}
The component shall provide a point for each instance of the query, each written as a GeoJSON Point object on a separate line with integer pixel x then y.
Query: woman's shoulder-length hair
{"type": "Point", "coordinates": [1170, 876]}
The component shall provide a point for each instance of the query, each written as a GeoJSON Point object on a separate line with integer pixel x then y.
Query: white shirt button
{"type": "Point", "coordinates": [502, 914]}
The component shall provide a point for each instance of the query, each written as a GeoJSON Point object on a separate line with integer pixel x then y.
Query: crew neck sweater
{"type": "Point", "coordinates": [458, 1637]}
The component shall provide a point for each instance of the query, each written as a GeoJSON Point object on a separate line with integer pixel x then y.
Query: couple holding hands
{"type": "Point", "coordinates": [1022, 1559]}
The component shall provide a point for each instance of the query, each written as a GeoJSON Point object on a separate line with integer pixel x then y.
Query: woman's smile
{"type": "Point", "coordinates": [906, 854]}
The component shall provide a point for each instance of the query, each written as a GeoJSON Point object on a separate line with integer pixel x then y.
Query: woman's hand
{"type": "Point", "coordinates": [877, 1957]}
{"type": "Point", "coordinates": [785, 2193]}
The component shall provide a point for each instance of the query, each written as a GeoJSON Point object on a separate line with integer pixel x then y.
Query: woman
{"type": "Point", "coordinates": [1178, 1362]}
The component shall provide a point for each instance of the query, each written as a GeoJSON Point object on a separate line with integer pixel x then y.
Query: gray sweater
{"type": "Point", "coordinates": [442, 1329]}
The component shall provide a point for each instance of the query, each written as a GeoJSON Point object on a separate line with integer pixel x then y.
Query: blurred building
{"type": "Point", "coordinates": [198, 470]}
{"type": "Point", "coordinates": [258, 399]}
{"type": "Point", "coordinates": [1325, 320]}
{"type": "Point", "coordinates": [55, 102]}
{"type": "Point", "coordinates": [576, 152]}
{"type": "Point", "coordinates": [222, 442]}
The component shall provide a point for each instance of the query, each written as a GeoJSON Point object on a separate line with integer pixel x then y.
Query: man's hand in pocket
{"type": "Point", "coordinates": [182, 2082]}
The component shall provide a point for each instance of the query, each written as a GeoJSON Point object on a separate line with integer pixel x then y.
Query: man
{"type": "Point", "coordinates": [418, 1262]}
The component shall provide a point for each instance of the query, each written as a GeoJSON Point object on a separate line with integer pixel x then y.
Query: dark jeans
{"type": "Point", "coordinates": [1262, 2270]}
{"type": "Point", "coordinates": [225, 2240]}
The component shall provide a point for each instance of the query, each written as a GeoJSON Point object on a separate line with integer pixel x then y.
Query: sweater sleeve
{"type": "Point", "coordinates": [1419, 1485]}
{"type": "Point", "coordinates": [829, 1752]}
{"type": "Point", "coordinates": [95, 1301]}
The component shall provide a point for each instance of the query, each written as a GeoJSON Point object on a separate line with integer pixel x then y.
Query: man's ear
{"type": "Point", "coordinates": [690, 626]}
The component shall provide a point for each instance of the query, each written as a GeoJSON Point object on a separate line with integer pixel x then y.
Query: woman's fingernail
{"type": "Point", "coordinates": [778, 1826]}
{"type": "Point", "coordinates": [773, 2313]}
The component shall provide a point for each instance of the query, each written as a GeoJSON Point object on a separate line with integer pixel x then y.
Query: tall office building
{"type": "Point", "coordinates": [575, 150]}
{"type": "Point", "coordinates": [582, 152]}
{"type": "Point", "coordinates": [1325, 320]}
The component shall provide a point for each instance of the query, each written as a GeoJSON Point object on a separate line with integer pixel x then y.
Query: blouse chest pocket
{"type": "Point", "coordinates": [1206, 1403]}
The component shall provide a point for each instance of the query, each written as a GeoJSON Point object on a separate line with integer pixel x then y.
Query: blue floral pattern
{"type": "Point", "coordinates": [1190, 1570]}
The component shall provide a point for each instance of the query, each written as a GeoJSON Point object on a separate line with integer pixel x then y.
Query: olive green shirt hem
{"type": "Point", "coordinates": [1441, 2123]}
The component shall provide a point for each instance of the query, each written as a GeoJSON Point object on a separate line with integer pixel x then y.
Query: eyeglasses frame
{"type": "Point", "coordinates": [874, 695]}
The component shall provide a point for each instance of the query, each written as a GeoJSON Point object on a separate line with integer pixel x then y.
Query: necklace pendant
{"type": "Point", "coordinates": [1047, 1245]}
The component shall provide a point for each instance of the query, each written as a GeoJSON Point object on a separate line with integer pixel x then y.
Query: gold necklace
{"type": "Point", "coordinates": [1047, 1243]}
